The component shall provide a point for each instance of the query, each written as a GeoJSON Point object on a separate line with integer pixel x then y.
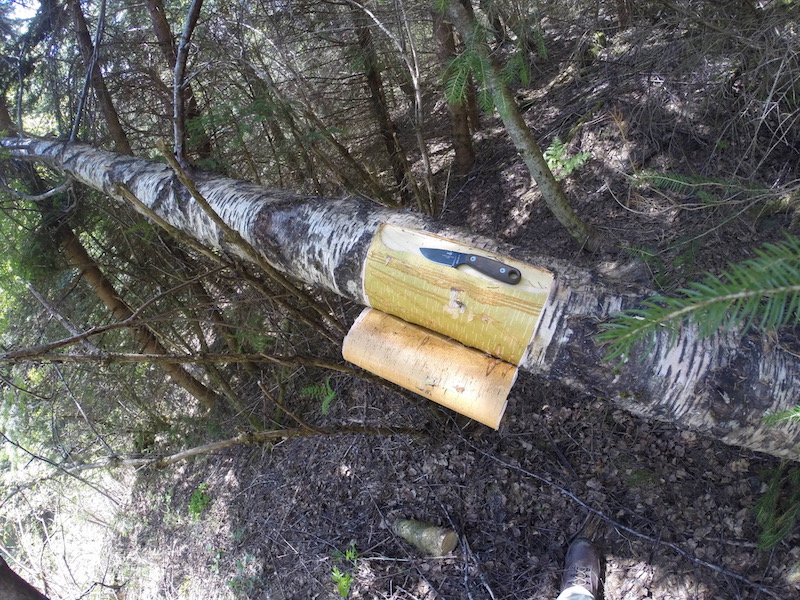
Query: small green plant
{"type": "Point", "coordinates": [778, 510]}
{"type": "Point", "coordinates": [321, 392]}
{"type": "Point", "coordinates": [216, 558]}
{"type": "Point", "coordinates": [199, 501]}
{"type": "Point", "coordinates": [559, 161]}
{"type": "Point", "coordinates": [706, 191]}
{"type": "Point", "coordinates": [343, 581]}
{"type": "Point", "coordinates": [343, 578]}
{"type": "Point", "coordinates": [245, 582]}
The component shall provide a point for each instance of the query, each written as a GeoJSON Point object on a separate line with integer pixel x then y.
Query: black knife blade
{"type": "Point", "coordinates": [488, 266]}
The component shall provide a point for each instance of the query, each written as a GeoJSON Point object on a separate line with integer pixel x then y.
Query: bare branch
{"type": "Point", "coordinates": [179, 82]}
{"type": "Point", "coordinates": [35, 198]}
{"type": "Point", "coordinates": [132, 321]}
{"type": "Point", "coordinates": [90, 67]}
{"type": "Point", "coordinates": [46, 355]}
{"type": "Point", "coordinates": [236, 238]}
{"type": "Point", "coordinates": [253, 438]}
{"type": "Point", "coordinates": [62, 319]}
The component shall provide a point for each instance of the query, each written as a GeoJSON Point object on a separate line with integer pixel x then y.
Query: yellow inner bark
{"type": "Point", "coordinates": [460, 303]}
{"type": "Point", "coordinates": [431, 365]}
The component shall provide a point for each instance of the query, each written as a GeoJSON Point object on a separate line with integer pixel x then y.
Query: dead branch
{"type": "Point", "coordinates": [179, 82]}
{"type": "Point", "coordinates": [243, 439]}
{"type": "Point", "coordinates": [235, 238]}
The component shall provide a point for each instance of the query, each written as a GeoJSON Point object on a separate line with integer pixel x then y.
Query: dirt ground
{"type": "Point", "coordinates": [671, 512]}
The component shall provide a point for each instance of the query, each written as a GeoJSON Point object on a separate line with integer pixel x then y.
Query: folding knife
{"type": "Point", "coordinates": [488, 266]}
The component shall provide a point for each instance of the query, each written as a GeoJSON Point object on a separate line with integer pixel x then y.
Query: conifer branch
{"type": "Point", "coordinates": [761, 293]}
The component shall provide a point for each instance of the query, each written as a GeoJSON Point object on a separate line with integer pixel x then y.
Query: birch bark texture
{"type": "Point", "coordinates": [721, 386]}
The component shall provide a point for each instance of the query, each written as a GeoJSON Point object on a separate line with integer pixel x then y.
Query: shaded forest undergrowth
{"type": "Point", "coordinates": [672, 513]}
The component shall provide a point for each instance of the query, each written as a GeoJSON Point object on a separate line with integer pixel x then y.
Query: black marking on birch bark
{"type": "Point", "coordinates": [163, 194]}
{"type": "Point", "coordinates": [276, 221]}
{"type": "Point", "coordinates": [740, 387]}
{"type": "Point", "coordinates": [183, 198]}
{"type": "Point", "coordinates": [553, 317]}
{"type": "Point", "coordinates": [119, 171]}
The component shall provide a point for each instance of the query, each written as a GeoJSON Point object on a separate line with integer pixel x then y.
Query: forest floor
{"type": "Point", "coordinates": [672, 513]}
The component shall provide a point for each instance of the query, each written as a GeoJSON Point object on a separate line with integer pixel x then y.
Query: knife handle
{"type": "Point", "coordinates": [493, 268]}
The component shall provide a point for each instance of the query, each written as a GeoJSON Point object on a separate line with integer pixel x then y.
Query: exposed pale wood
{"type": "Point", "coordinates": [431, 365]}
{"type": "Point", "coordinates": [429, 538]}
{"type": "Point", "coordinates": [461, 303]}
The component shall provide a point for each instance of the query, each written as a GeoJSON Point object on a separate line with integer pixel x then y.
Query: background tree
{"type": "Point", "coordinates": [91, 59]}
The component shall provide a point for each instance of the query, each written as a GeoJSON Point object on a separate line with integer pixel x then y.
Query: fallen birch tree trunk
{"type": "Point", "coordinates": [722, 386]}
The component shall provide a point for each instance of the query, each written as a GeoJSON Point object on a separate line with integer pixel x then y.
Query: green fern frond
{"type": "Point", "coordinates": [485, 100]}
{"type": "Point", "coordinates": [762, 292]}
{"type": "Point", "coordinates": [457, 75]}
{"type": "Point", "coordinates": [560, 163]}
{"type": "Point", "coordinates": [778, 509]}
{"type": "Point", "coordinates": [321, 392]}
{"type": "Point", "coordinates": [706, 189]}
{"type": "Point", "coordinates": [792, 414]}
{"type": "Point", "coordinates": [541, 48]}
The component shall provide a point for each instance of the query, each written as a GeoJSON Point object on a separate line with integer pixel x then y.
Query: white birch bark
{"type": "Point", "coordinates": [722, 386]}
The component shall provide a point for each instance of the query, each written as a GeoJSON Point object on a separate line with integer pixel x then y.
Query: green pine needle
{"type": "Point", "coordinates": [762, 293]}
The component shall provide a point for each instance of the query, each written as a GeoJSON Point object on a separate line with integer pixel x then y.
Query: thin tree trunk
{"type": "Point", "coordinates": [722, 386]}
{"type": "Point", "coordinates": [98, 82]}
{"type": "Point", "coordinates": [200, 142]}
{"type": "Point", "coordinates": [374, 187]}
{"type": "Point", "coordinates": [14, 587]}
{"type": "Point", "coordinates": [489, 8]}
{"type": "Point", "coordinates": [456, 108]}
{"type": "Point", "coordinates": [6, 124]}
{"type": "Point", "coordinates": [386, 127]}
{"type": "Point", "coordinates": [262, 87]}
{"type": "Point", "coordinates": [91, 273]}
{"type": "Point", "coordinates": [473, 111]}
{"type": "Point", "coordinates": [519, 133]}
{"type": "Point", "coordinates": [179, 83]}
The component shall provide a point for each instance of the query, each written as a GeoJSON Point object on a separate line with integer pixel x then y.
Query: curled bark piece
{"type": "Point", "coordinates": [431, 539]}
{"type": "Point", "coordinates": [433, 366]}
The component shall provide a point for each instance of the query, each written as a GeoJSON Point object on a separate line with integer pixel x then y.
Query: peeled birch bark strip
{"type": "Point", "coordinates": [721, 386]}
{"type": "Point", "coordinates": [461, 303]}
{"type": "Point", "coordinates": [431, 365]}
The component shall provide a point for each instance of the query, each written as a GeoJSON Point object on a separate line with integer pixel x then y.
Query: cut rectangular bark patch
{"type": "Point", "coordinates": [461, 303]}
{"type": "Point", "coordinates": [431, 365]}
